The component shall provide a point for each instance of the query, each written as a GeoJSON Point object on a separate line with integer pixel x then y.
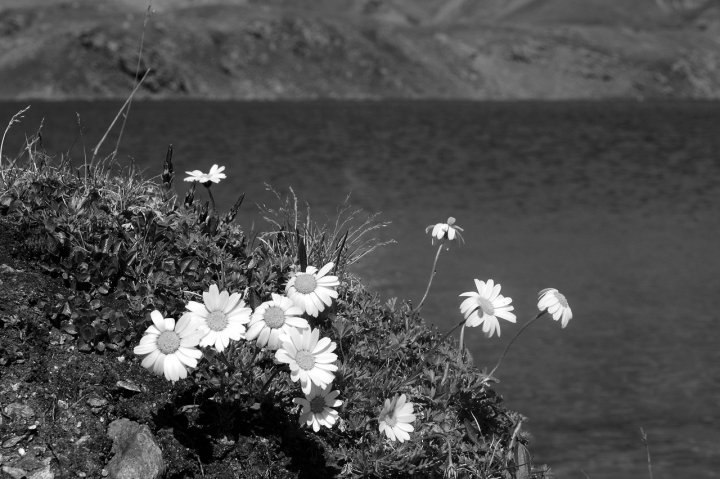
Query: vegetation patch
{"type": "Point", "coordinates": [272, 360]}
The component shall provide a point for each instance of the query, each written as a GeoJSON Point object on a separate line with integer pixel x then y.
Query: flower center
{"type": "Point", "coordinates": [168, 342]}
{"type": "Point", "coordinates": [486, 306]}
{"type": "Point", "coordinates": [390, 420]}
{"type": "Point", "coordinates": [217, 321]}
{"type": "Point", "coordinates": [561, 299]}
{"type": "Point", "coordinates": [305, 283]}
{"type": "Point", "coordinates": [305, 360]}
{"type": "Point", "coordinates": [317, 404]}
{"type": "Point", "coordinates": [274, 317]}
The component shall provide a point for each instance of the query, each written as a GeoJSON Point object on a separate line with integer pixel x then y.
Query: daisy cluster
{"type": "Point", "coordinates": [171, 347]}
{"type": "Point", "coordinates": [484, 306]}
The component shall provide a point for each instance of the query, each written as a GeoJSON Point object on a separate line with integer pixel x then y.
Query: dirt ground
{"type": "Point", "coordinates": [56, 402]}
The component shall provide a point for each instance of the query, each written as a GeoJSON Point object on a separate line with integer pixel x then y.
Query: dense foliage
{"type": "Point", "coordinates": [127, 246]}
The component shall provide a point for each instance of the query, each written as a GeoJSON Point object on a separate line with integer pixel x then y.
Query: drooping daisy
{"type": "Point", "coordinates": [555, 303]}
{"type": "Point", "coordinates": [223, 317]}
{"type": "Point", "coordinates": [310, 358]}
{"type": "Point", "coordinates": [448, 230]}
{"type": "Point", "coordinates": [274, 318]}
{"type": "Point", "coordinates": [168, 347]}
{"type": "Point", "coordinates": [214, 175]}
{"type": "Point", "coordinates": [396, 419]}
{"type": "Point", "coordinates": [312, 290]}
{"type": "Point", "coordinates": [317, 407]}
{"type": "Point", "coordinates": [485, 306]}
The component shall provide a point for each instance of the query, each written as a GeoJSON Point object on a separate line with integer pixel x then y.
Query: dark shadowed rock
{"type": "Point", "coordinates": [137, 454]}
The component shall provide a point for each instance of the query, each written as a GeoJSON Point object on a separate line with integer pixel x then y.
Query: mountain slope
{"type": "Point", "coordinates": [480, 49]}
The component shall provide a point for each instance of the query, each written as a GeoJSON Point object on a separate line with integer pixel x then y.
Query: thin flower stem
{"type": "Point", "coordinates": [442, 340]}
{"type": "Point", "coordinates": [462, 341]}
{"type": "Point", "coordinates": [507, 348]}
{"type": "Point", "coordinates": [212, 201]}
{"type": "Point", "coordinates": [432, 275]}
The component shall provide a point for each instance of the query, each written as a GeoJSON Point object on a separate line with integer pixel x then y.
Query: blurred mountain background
{"type": "Point", "coordinates": [271, 49]}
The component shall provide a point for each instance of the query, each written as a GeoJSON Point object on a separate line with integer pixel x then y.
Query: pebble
{"type": "Point", "coordinates": [17, 410]}
{"type": "Point", "coordinates": [128, 385]}
{"type": "Point", "coordinates": [96, 402]}
{"type": "Point", "coordinates": [44, 473]}
{"type": "Point", "coordinates": [28, 462]}
{"type": "Point", "coordinates": [82, 440]}
{"type": "Point", "coordinates": [14, 472]}
{"type": "Point", "coordinates": [9, 269]}
{"type": "Point", "coordinates": [13, 441]}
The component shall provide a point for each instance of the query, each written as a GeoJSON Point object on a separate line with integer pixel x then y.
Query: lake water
{"type": "Point", "coordinates": [615, 204]}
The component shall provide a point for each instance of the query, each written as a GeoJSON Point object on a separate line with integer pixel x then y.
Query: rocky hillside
{"type": "Point", "coordinates": [267, 49]}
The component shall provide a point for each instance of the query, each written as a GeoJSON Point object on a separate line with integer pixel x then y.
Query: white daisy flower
{"type": "Point", "coordinates": [448, 230]}
{"type": "Point", "coordinates": [272, 319]}
{"type": "Point", "coordinates": [317, 407]}
{"type": "Point", "coordinates": [170, 348]}
{"type": "Point", "coordinates": [214, 175]}
{"type": "Point", "coordinates": [555, 303]}
{"type": "Point", "coordinates": [223, 317]}
{"type": "Point", "coordinates": [396, 419]}
{"type": "Point", "coordinates": [312, 290]}
{"type": "Point", "coordinates": [485, 306]}
{"type": "Point", "coordinates": [196, 175]}
{"type": "Point", "coordinates": [310, 358]}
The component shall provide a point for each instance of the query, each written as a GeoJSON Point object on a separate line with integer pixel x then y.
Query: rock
{"type": "Point", "coordinates": [29, 463]}
{"type": "Point", "coordinates": [44, 473]}
{"type": "Point", "coordinates": [13, 441]}
{"type": "Point", "coordinates": [9, 269]}
{"type": "Point", "coordinates": [40, 469]}
{"type": "Point", "coordinates": [14, 472]}
{"type": "Point", "coordinates": [137, 454]}
{"type": "Point", "coordinates": [128, 385]}
{"type": "Point", "coordinates": [16, 410]}
{"type": "Point", "coordinates": [82, 440]}
{"type": "Point", "coordinates": [96, 402]}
